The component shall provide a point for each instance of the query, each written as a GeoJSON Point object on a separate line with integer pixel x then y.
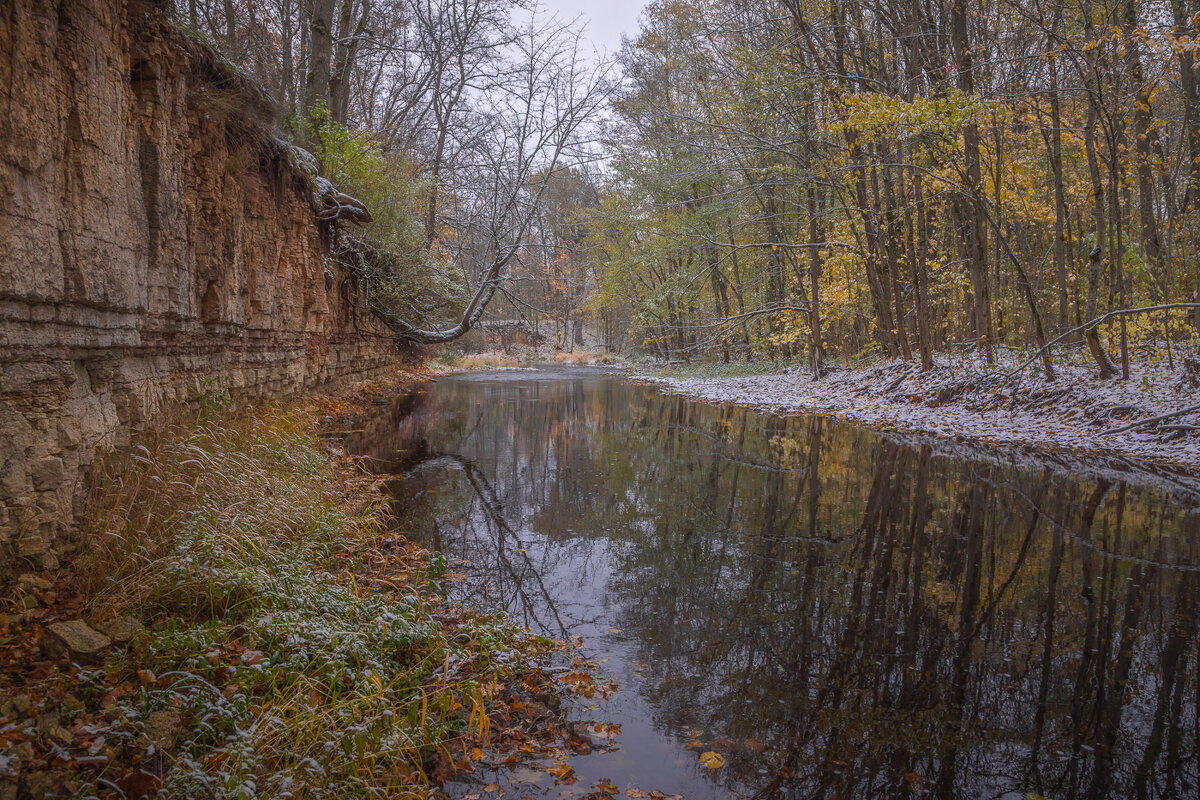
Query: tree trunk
{"type": "Point", "coordinates": [1144, 137]}
{"type": "Point", "coordinates": [1107, 368]}
{"type": "Point", "coordinates": [1099, 224]}
{"type": "Point", "coordinates": [230, 29]}
{"type": "Point", "coordinates": [1060, 202]}
{"type": "Point", "coordinates": [1184, 12]}
{"type": "Point", "coordinates": [815, 237]}
{"type": "Point", "coordinates": [344, 56]}
{"type": "Point", "coordinates": [974, 235]}
{"type": "Point", "coordinates": [320, 37]}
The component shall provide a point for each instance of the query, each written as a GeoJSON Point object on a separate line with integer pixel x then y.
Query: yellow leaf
{"type": "Point", "coordinates": [712, 760]}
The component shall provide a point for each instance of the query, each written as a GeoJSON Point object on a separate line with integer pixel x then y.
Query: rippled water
{"type": "Point", "coordinates": [840, 614]}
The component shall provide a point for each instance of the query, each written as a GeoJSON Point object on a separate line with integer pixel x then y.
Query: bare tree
{"type": "Point", "coordinates": [530, 125]}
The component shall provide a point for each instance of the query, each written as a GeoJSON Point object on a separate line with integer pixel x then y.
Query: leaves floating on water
{"type": "Point", "coordinates": [712, 760]}
{"type": "Point", "coordinates": [562, 772]}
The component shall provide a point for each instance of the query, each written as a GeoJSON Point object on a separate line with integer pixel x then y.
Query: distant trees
{"type": "Point", "coordinates": [903, 177]}
{"type": "Point", "coordinates": [441, 114]}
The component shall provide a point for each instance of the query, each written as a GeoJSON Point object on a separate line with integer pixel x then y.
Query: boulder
{"type": "Point", "coordinates": [29, 582]}
{"type": "Point", "coordinates": [120, 629]}
{"type": "Point", "coordinates": [162, 729]}
{"type": "Point", "coordinates": [75, 640]}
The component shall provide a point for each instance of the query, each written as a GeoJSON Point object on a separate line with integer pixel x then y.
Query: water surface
{"type": "Point", "coordinates": [838, 613]}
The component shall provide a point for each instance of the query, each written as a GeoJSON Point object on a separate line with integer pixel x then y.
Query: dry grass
{"type": "Point", "coordinates": [489, 361]}
{"type": "Point", "coordinates": [306, 655]}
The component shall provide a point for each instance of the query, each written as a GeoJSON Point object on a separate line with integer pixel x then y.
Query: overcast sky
{"type": "Point", "coordinates": [606, 19]}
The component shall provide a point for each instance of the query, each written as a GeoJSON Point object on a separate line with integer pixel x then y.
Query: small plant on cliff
{"type": "Point", "coordinates": [391, 256]}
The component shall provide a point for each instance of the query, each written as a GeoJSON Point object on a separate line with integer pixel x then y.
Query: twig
{"type": "Point", "coordinates": [1152, 420]}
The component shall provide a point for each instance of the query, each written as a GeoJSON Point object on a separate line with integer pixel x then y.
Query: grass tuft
{"type": "Point", "coordinates": [305, 653]}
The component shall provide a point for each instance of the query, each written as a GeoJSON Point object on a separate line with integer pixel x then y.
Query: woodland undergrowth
{"type": "Point", "coordinates": [299, 649]}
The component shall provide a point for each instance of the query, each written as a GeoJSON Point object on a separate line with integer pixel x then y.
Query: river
{"type": "Point", "coordinates": [836, 612]}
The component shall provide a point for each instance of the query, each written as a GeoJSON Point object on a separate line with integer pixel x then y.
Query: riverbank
{"type": "Point", "coordinates": [962, 401]}
{"type": "Point", "coordinates": [246, 624]}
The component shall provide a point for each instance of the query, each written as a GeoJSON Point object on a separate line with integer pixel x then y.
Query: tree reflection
{"type": "Point", "coordinates": [852, 616]}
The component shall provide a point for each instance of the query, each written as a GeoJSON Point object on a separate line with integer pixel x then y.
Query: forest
{"type": "Point", "coordinates": [746, 180]}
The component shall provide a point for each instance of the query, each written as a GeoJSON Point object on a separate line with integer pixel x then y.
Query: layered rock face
{"type": "Point", "coordinates": [156, 247]}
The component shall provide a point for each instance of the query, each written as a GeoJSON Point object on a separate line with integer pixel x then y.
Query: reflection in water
{"type": "Point", "coordinates": [841, 614]}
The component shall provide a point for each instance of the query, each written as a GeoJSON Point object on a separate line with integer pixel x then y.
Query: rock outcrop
{"type": "Point", "coordinates": [156, 247]}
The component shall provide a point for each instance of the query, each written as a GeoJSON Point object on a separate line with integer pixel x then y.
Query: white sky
{"type": "Point", "coordinates": [606, 19]}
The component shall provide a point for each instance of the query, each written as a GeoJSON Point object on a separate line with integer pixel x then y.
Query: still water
{"type": "Point", "coordinates": [837, 613]}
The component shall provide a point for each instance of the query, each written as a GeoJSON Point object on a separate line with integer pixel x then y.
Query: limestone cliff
{"type": "Point", "coordinates": [155, 244]}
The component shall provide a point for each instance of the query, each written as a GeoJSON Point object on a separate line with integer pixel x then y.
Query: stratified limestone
{"type": "Point", "coordinates": [156, 247]}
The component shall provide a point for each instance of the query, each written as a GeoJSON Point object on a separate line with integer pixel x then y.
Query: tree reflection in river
{"type": "Point", "coordinates": [848, 615]}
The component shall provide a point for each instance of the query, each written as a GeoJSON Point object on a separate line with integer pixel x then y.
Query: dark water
{"type": "Point", "coordinates": [838, 613]}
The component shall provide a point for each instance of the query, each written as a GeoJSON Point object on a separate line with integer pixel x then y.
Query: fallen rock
{"type": "Point", "coordinates": [549, 700]}
{"type": "Point", "coordinates": [162, 729]}
{"type": "Point", "coordinates": [31, 545]}
{"type": "Point", "coordinates": [48, 727]}
{"type": "Point", "coordinates": [120, 629]}
{"type": "Point", "coordinates": [70, 707]}
{"type": "Point", "coordinates": [45, 784]}
{"type": "Point", "coordinates": [22, 704]}
{"type": "Point", "coordinates": [75, 640]}
{"type": "Point", "coordinates": [28, 582]}
{"type": "Point", "coordinates": [538, 711]}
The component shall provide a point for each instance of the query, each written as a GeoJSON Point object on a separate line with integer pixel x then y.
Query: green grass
{"type": "Point", "coordinates": [301, 656]}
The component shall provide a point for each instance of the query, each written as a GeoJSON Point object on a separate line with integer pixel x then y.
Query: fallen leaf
{"type": "Point", "coordinates": [607, 729]}
{"type": "Point", "coordinates": [492, 787]}
{"type": "Point", "coordinates": [139, 784]}
{"type": "Point", "coordinates": [712, 760]}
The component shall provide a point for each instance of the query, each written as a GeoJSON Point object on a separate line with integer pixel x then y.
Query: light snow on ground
{"type": "Point", "coordinates": [963, 399]}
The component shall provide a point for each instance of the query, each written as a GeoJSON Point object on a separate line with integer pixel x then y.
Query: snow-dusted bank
{"type": "Point", "coordinates": [964, 400]}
